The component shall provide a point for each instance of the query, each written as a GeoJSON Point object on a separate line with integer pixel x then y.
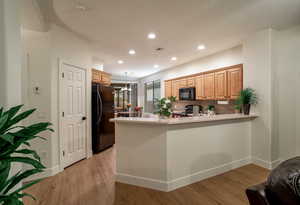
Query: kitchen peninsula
{"type": "Point", "coordinates": [165, 154]}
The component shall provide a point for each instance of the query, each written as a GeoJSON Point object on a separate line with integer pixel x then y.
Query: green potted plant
{"type": "Point", "coordinates": [247, 98]}
{"type": "Point", "coordinates": [164, 106]}
{"type": "Point", "coordinates": [211, 109]}
{"type": "Point", "coordinates": [14, 148]}
{"type": "Point", "coordinates": [237, 108]}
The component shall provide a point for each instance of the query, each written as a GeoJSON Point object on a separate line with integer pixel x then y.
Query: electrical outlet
{"type": "Point", "coordinates": [223, 102]}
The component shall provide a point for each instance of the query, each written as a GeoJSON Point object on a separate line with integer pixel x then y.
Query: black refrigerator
{"type": "Point", "coordinates": [103, 131]}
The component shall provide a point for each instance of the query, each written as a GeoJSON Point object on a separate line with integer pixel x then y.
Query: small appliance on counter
{"type": "Point", "coordinates": [193, 109]}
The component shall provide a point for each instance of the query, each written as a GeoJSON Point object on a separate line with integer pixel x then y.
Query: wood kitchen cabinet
{"type": "Point", "coordinates": [209, 86]}
{"type": "Point", "coordinates": [96, 76]}
{"type": "Point", "coordinates": [199, 84]}
{"type": "Point", "coordinates": [101, 77]}
{"type": "Point", "coordinates": [235, 82]}
{"type": "Point", "coordinates": [221, 85]}
{"type": "Point", "coordinates": [190, 82]}
{"type": "Point", "coordinates": [183, 83]}
{"type": "Point", "coordinates": [175, 88]}
{"type": "Point", "coordinates": [168, 88]}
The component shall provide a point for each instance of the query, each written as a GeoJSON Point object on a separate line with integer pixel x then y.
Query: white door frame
{"type": "Point", "coordinates": [87, 110]}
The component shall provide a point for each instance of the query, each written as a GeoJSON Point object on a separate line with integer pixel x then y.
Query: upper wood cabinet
{"type": "Point", "coordinates": [209, 86]}
{"type": "Point", "coordinates": [235, 82]}
{"type": "Point", "coordinates": [221, 85]}
{"type": "Point", "coordinates": [175, 88]}
{"type": "Point", "coordinates": [182, 83]}
{"type": "Point", "coordinates": [199, 84]}
{"type": "Point", "coordinates": [168, 88]}
{"type": "Point", "coordinates": [106, 78]}
{"type": "Point", "coordinates": [101, 77]}
{"type": "Point", "coordinates": [96, 76]}
{"type": "Point", "coordinates": [190, 82]}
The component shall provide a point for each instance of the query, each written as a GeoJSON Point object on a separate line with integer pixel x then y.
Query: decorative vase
{"type": "Point", "coordinates": [246, 109]}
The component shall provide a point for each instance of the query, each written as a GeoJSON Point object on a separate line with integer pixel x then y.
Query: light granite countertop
{"type": "Point", "coordinates": [184, 120]}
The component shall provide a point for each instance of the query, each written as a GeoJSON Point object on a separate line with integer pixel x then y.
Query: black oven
{"type": "Point", "coordinates": [187, 93]}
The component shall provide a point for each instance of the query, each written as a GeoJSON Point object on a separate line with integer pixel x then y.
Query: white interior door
{"type": "Point", "coordinates": [73, 108]}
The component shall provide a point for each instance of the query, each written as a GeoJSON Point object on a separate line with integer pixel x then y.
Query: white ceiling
{"type": "Point", "coordinates": [115, 26]}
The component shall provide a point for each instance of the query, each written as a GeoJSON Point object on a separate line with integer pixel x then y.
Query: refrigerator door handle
{"type": "Point", "coordinates": [101, 107]}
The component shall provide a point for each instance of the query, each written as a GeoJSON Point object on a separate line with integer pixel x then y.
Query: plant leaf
{"type": "Point", "coordinates": [3, 121]}
{"type": "Point", "coordinates": [19, 177]}
{"type": "Point", "coordinates": [8, 138]}
{"type": "Point", "coordinates": [13, 111]}
{"type": "Point", "coordinates": [36, 164]}
{"type": "Point", "coordinates": [28, 151]}
{"type": "Point", "coordinates": [4, 173]}
{"type": "Point", "coordinates": [26, 195]}
{"type": "Point", "coordinates": [20, 117]}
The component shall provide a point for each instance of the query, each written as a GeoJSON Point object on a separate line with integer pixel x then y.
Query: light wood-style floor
{"type": "Point", "coordinates": [91, 182]}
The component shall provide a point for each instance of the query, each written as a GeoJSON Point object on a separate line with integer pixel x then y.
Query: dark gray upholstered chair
{"type": "Point", "coordinates": [281, 188]}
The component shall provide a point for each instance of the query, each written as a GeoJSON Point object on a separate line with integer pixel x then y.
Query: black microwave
{"type": "Point", "coordinates": [187, 93]}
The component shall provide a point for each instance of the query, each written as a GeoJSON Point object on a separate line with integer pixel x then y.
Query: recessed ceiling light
{"type": "Point", "coordinates": [173, 58]}
{"type": "Point", "coordinates": [156, 66]}
{"type": "Point", "coordinates": [120, 61]}
{"type": "Point", "coordinates": [132, 52]}
{"type": "Point", "coordinates": [152, 36]}
{"type": "Point", "coordinates": [201, 47]}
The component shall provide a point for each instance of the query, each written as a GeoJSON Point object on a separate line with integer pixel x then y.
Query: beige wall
{"type": "Point", "coordinates": [44, 52]}
{"type": "Point", "coordinates": [257, 74]}
{"type": "Point", "coordinates": [67, 47]}
{"type": "Point", "coordinates": [288, 79]}
{"type": "Point", "coordinates": [10, 41]}
{"type": "Point", "coordinates": [36, 48]}
{"type": "Point", "coordinates": [10, 57]}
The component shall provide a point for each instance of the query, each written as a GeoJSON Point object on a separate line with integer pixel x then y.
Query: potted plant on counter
{"type": "Point", "coordinates": [211, 110]}
{"type": "Point", "coordinates": [247, 98]}
{"type": "Point", "coordinates": [164, 106]}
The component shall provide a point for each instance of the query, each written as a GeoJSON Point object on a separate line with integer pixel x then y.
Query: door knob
{"type": "Point", "coordinates": [83, 118]}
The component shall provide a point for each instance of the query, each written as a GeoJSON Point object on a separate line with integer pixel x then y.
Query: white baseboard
{"type": "Point", "coordinates": [167, 186]}
{"type": "Point", "coordinates": [266, 164]}
{"type": "Point", "coordinates": [47, 173]}
{"type": "Point", "coordinates": [142, 182]}
{"type": "Point", "coordinates": [196, 177]}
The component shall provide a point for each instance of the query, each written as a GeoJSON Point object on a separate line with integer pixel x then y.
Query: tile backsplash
{"type": "Point", "coordinates": [220, 109]}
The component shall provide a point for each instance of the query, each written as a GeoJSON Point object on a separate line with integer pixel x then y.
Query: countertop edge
{"type": "Point", "coordinates": [192, 120]}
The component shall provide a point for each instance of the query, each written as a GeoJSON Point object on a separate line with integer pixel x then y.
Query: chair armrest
{"type": "Point", "coordinates": [257, 195]}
